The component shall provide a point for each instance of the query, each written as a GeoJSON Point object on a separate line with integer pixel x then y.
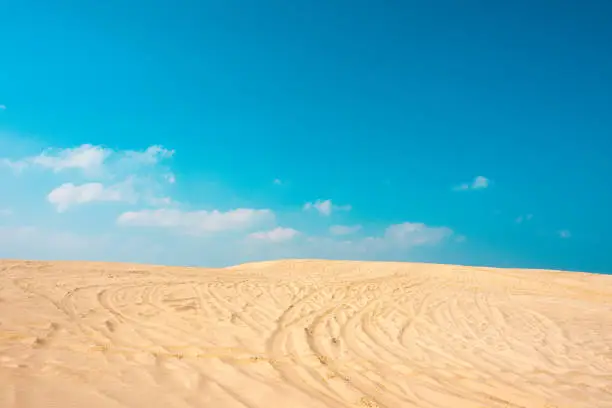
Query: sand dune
{"type": "Point", "coordinates": [302, 334]}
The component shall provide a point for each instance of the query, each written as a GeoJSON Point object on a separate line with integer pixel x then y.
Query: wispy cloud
{"type": "Point", "coordinates": [88, 173]}
{"type": "Point", "coordinates": [565, 234]}
{"type": "Point", "coordinates": [2, 107]}
{"type": "Point", "coordinates": [32, 242]}
{"type": "Point", "coordinates": [160, 201]}
{"type": "Point", "coordinates": [15, 165]}
{"type": "Point", "coordinates": [479, 183]}
{"type": "Point", "coordinates": [395, 241]}
{"type": "Point", "coordinates": [68, 194]}
{"type": "Point", "coordinates": [197, 221]}
{"type": "Point", "coordinates": [325, 207]}
{"type": "Point", "coordinates": [412, 234]}
{"type": "Point", "coordinates": [95, 170]}
{"type": "Point", "coordinates": [344, 229]}
{"type": "Point", "coordinates": [170, 178]}
{"type": "Point", "coordinates": [278, 234]}
{"type": "Point", "coordinates": [90, 159]}
{"type": "Point", "coordinates": [5, 212]}
{"type": "Point", "coordinates": [522, 218]}
{"type": "Point", "coordinates": [152, 155]}
{"type": "Point", "coordinates": [86, 157]}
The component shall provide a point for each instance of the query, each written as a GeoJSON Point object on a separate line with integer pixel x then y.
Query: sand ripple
{"type": "Point", "coordinates": [306, 333]}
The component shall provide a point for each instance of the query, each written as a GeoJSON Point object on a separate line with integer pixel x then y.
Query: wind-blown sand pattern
{"type": "Point", "coordinates": [303, 334]}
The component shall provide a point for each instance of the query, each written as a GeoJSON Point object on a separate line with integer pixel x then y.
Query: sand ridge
{"type": "Point", "coordinates": [303, 332]}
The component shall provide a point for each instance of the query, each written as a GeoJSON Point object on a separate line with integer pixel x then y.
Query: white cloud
{"type": "Point", "coordinates": [396, 242]}
{"type": "Point", "coordinates": [197, 221]}
{"type": "Point", "coordinates": [564, 234]}
{"type": "Point", "coordinates": [160, 201]}
{"type": "Point", "coordinates": [86, 157]}
{"type": "Point", "coordinates": [414, 233]}
{"type": "Point", "coordinates": [344, 229]}
{"type": "Point", "coordinates": [229, 237]}
{"type": "Point", "coordinates": [325, 207]}
{"type": "Point", "coordinates": [170, 178]}
{"type": "Point", "coordinates": [278, 234]}
{"type": "Point", "coordinates": [152, 155]}
{"type": "Point", "coordinates": [16, 166]}
{"type": "Point", "coordinates": [479, 183]}
{"type": "Point", "coordinates": [522, 218]}
{"type": "Point", "coordinates": [91, 160]}
{"type": "Point", "coordinates": [407, 242]}
{"type": "Point", "coordinates": [144, 174]}
{"type": "Point", "coordinates": [68, 194]}
{"type": "Point", "coordinates": [396, 236]}
{"type": "Point", "coordinates": [30, 242]}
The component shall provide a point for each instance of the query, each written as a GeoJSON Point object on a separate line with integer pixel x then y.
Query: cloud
{"type": "Point", "coordinates": [68, 194]}
{"type": "Point", "coordinates": [415, 233]}
{"type": "Point", "coordinates": [401, 236]}
{"type": "Point", "coordinates": [565, 234]}
{"type": "Point", "coordinates": [86, 157]}
{"type": "Point", "coordinates": [91, 160]}
{"type": "Point", "coordinates": [144, 174]}
{"type": "Point", "coordinates": [325, 207]}
{"type": "Point", "coordinates": [522, 218]}
{"type": "Point", "coordinates": [16, 166]}
{"type": "Point", "coordinates": [5, 212]}
{"type": "Point", "coordinates": [344, 229]}
{"type": "Point", "coordinates": [2, 107]}
{"type": "Point", "coordinates": [32, 242]}
{"type": "Point", "coordinates": [150, 156]}
{"type": "Point", "coordinates": [197, 221]}
{"type": "Point", "coordinates": [170, 178]}
{"type": "Point", "coordinates": [278, 234]}
{"type": "Point", "coordinates": [160, 201]}
{"type": "Point", "coordinates": [396, 242]}
{"type": "Point", "coordinates": [399, 242]}
{"type": "Point", "coordinates": [161, 230]}
{"type": "Point", "coordinates": [479, 183]}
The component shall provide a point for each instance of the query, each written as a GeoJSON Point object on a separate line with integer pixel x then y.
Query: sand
{"type": "Point", "coordinates": [302, 333]}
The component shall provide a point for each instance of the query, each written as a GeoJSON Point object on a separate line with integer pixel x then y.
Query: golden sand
{"type": "Point", "coordinates": [302, 333]}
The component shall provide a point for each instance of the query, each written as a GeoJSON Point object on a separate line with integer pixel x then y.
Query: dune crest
{"type": "Point", "coordinates": [303, 332]}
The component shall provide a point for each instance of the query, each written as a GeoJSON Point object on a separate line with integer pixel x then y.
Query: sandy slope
{"type": "Point", "coordinates": [302, 334]}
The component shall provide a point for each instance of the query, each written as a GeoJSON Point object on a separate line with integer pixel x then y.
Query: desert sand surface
{"type": "Point", "coordinates": [302, 333]}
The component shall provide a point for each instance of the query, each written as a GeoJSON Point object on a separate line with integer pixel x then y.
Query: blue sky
{"type": "Point", "coordinates": [196, 133]}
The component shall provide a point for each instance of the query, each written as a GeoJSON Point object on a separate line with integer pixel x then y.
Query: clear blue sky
{"type": "Point", "coordinates": [385, 108]}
